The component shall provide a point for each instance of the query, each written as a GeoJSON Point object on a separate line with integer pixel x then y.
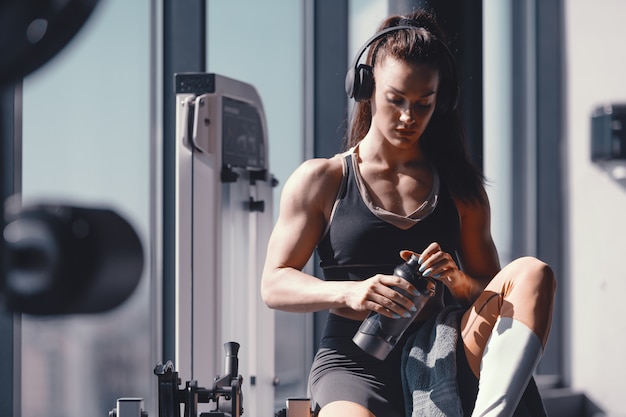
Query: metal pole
{"type": "Point", "coordinates": [184, 50]}
{"type": "Point", "coordinates": [10, 163]}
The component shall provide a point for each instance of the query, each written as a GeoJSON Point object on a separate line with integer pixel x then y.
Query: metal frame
{"type": "Point", "coordinates": [550, 209]}
{"type": "Point", "coordinates": [10, 183]}
{"type": "Point", "coordinates": [536, 157]}
{"type": "Point", "coordinates": [330, 63]}
{"type": "Point", "coordinates": [184, 50]}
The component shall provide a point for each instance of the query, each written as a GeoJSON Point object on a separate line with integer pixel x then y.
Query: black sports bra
{"type": "Point", "coordinates": [362, 240]}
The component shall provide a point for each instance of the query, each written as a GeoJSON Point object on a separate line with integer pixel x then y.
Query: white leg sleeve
{"type": "Point", "coordinates": [511, 356]}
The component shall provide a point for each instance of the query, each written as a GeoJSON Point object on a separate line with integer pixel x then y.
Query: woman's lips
{"type": "Point", "coordinates": [405, 132]}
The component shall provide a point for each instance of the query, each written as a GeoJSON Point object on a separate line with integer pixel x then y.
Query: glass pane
{"type": "Point", "coordinates": [262, 43]}
{"type": "Point", "coordinates": [365, 17]}
{"type": "Point", "coordinates": [86, 142]}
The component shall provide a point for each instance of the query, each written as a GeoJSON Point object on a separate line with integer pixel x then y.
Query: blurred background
{"type": "Point", "coordinates": [96, 125]}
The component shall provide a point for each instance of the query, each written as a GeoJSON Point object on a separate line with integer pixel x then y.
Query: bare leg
{"type": "Point", "coordinates": [524, 291]}
{"type": "Point", "coordinates": [519, 302]}
{"type": "Point", "coordinates": [344, 408]}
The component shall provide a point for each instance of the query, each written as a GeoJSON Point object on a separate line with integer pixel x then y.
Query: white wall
{"type": "Point", "coordinates": [596, 245]}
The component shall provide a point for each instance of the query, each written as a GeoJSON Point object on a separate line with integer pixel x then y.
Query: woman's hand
{"type": "Point", "coordinates": [379, 293]}
{"type": "Point", "coordinates": [439, 265]}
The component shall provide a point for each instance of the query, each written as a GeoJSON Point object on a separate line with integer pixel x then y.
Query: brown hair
{"type": "Point", "coordinates": [443, 141]}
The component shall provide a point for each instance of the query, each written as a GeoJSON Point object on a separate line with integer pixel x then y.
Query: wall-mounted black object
{"type": "Point", "coordinates": [608, 133]}
{"type": "Point", "coordinates": [34, 31]}
{"type": "Point", "coordinates": [68, 260]}
{"type": "Point", "coordinates": [54, 258]}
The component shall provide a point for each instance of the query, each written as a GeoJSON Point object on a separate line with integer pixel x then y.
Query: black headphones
{"type": "Point", "coordinates": [360, 77]}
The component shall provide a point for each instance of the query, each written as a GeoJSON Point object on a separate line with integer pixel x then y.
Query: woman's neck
{"type": "Point", "coordinates": [373, 148]}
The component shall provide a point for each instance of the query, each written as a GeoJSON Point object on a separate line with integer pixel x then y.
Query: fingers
{"type": "Point", "coordinates": [430, 250]}
{"type": "Point", "coordinates": [390, 296]}
{"type": "Point", "coordinates": [436, 263]}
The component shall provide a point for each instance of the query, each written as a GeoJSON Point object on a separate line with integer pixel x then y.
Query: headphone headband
{"type": "Point", "coordinates": [377, 36]}
{"type": "Point", "coordinates": [359, 82]}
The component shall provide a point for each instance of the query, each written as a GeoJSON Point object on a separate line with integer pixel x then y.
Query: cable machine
{"type": "Point", "coordinates": [224, 218]}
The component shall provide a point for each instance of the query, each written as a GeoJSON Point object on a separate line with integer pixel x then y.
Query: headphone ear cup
{"type": "Point", "coordinates": [365, 83]}
{"type": "Point", "coordinates": [360, 83]}
{"type": "Point", "coordinates": [351, 82]}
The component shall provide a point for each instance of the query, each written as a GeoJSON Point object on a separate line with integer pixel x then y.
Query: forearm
{"type": "Point", "coordinates": [465, 288]}
{"type": "Point", "coordinates": [289, 289]}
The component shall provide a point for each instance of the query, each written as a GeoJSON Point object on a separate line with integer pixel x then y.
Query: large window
{"type": "Point", "coordinates": [522, 143]}
{"type": "Point", "coordinates": [263, 43]}
{"type": "Point", "coordinates": [86, 141]}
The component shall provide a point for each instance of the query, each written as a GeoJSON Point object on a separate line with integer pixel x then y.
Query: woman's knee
{"type": "Point", "coordinates": [531, 295]}
{"type": "Point", "coordinates": [531, 271]}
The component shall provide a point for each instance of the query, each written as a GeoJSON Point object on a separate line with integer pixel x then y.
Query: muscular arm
{"type": "Point", "coordinates": [301, 222]}
{"type": "Point", "coordinates": [305, 207]}
{"type": "Point", "coordinates": [477, 254]}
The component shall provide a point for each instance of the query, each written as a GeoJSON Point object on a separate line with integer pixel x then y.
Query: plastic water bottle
{"type": "Point", "coordinates": [378, 334]}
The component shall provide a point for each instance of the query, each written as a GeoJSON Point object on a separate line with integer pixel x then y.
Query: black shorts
{"type": "Point", "coordinates": [342, 371]}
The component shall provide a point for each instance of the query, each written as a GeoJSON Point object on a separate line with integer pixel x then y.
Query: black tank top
{"type": "Point", "coordinates": [359, 242]}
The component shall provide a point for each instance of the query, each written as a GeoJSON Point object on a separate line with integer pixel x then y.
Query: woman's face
{"type": "Point", "coordinates": [404, 100]}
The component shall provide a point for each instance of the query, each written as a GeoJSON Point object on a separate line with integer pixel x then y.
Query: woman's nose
{"type": "Point", "coordinates": [407, 116]}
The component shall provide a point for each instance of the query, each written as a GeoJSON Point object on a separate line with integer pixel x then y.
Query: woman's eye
{"type": "Point", "coordinates": [394, 100]}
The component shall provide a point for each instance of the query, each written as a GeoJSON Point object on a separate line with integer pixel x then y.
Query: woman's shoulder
{"type": "Point", "coordinates": [314, 185]}
{"type": "Point", "coordinates": [477, 208]}
{"type": "Point", "coordinates": [320, 171]}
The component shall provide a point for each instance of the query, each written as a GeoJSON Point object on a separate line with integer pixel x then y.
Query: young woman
{"type": "Point", "coordinates": [405, 185]}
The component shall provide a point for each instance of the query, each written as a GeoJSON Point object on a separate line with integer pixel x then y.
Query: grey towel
{"type": "Point", "coordinates": [429, 367]}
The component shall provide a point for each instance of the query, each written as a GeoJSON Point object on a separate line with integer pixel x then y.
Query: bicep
{"type": "Point", "coordinates": [298, 228]}
{"type": "Point", "coordinates": [293, 240]}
